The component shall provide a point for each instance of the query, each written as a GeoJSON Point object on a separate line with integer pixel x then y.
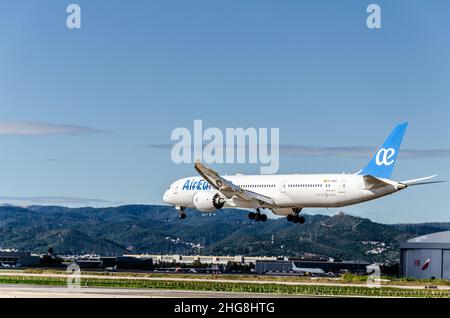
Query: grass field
{"type": "Point", "coordinates": [229, 286]}
{"type": "Point", "coordinates": [346, 278]}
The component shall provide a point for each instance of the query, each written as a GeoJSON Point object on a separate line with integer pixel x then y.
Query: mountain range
{"type": "Point", "coordinates": [155, 229]}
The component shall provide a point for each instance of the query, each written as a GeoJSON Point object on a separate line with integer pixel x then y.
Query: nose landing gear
{"type": "Point", "coordinates": [181, 214]}
{"type": "Point", "coordinates": [257, 216]}
{"type": "Point", "coordinates": [296, 217]}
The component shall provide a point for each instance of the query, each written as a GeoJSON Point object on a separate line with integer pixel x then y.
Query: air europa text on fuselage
{"type": "Point", "coordinates": [195, 184]}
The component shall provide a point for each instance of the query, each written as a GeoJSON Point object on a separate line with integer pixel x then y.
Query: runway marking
{"type": "Point", "coordinates": [35, 291]}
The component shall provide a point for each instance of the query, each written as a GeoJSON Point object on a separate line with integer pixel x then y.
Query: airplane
{"type": "Point", "coordinates": [111, 269]}
{"type": "Point", "coordinates": [307, 271]}
{"type": "Point", "coordinates": [288, 194]}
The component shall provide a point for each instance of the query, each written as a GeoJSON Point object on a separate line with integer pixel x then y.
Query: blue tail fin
{"type": "Point", "coordinates": [383, 161]}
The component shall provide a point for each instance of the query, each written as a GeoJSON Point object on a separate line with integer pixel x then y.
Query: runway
{"type": "Point", "coordinates": [33, 291]}
{"type": "Point", "coordinates": [14, 289]}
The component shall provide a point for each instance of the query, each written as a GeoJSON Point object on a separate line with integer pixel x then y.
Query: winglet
{"type": "Point", "coordinates": [208, 174]}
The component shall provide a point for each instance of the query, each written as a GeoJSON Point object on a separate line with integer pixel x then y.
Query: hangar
{"type": "Point", "coordinates": [426, 257]}
{"type": "Point", "coordinates": [10, 258]}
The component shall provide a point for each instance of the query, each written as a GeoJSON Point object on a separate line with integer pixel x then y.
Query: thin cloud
{"type": "Point", "coordinates": [56, 200]}
{"type": "Point", "coordinates": [57, 160]}
{"type": "Point", "coordinates": [357, 152]}
{"type": "Point", "coordinates": [12, 128]}
{"type": "Point", "coordinates": [160, 146]}
{"type": "Point", "coordinates": [350, 152]}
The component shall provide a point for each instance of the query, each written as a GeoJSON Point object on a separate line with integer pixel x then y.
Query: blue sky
{"type": "Point", "coordinates": [97, 97]}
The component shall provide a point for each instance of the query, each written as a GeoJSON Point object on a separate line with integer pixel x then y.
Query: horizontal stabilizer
{"type": "Point", "coordinates": [372, 182]}
{"type": "Point", "coordinates": [421, 181]}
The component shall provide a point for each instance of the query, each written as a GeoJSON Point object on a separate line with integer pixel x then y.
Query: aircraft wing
{"type": "Point", "coordinates": [372, 182]}
{"type": "Point", "coordinates": [420, 181]}
{"type": "Point", "coordinates": [228, 188]}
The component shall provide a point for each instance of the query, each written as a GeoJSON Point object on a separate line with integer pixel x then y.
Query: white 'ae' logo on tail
{"type": "Point", "coordinates": [384, 157]}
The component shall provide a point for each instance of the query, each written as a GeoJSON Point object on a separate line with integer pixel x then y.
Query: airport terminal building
{"type": "Point", "coordinates": [426, 257]}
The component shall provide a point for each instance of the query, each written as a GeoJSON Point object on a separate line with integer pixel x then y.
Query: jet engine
{"type": "Point", "coordinates": [208, 201]}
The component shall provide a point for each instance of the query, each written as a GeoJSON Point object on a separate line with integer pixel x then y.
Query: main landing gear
{"type": "Point", "coordinates": [257, 216]}
{"type": "Point", "coordinates": [296, 217]}
{"type": "Point", "coordinates": [181, 214]}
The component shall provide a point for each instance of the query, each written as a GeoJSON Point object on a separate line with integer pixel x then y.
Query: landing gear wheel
{"type": "Point", "coordinates": [301, 220]}
{"type": "Point", "coordinates": [263, 218]}
{"type": "Point", "coordinates": [296, 218]}
{"type": "Point", "coordinates": [182, 216]}
{"type": "Point", "coordinates": [251, 215]}
{"type": "Point", "coordinates": [257, 217]}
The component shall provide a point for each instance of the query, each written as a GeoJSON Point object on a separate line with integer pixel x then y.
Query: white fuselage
{"type": "Point", "coordinates": [287, 191]}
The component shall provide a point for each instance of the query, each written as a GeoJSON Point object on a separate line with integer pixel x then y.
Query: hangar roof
{"type": "Point", "coordinates": [440, 237]}
{"type": "Point", "coordinates": [440, 240]}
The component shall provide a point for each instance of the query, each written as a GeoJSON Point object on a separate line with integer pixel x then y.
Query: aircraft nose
{"type": "Point", "coordinates": [166, 197]}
